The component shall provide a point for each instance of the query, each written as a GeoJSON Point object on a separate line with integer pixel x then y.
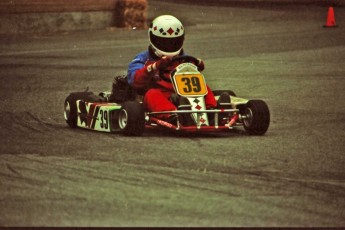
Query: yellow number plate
{"type": "Point", "coordinates": [190, 84]}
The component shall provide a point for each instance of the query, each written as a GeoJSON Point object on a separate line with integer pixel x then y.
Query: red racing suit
{"type": "Point", "coordinates": [156, 89]}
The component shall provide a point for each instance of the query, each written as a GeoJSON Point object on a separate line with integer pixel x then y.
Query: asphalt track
{"type": "Point", "coordinates": [52, 175]}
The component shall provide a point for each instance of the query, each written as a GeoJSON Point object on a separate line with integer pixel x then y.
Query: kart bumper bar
{"type": "Point", "coordinates": [199, 127]}
{"type": "Point", "coordinates": [194, 111]}
{"type": "Point", "coordinates": [193, 128]}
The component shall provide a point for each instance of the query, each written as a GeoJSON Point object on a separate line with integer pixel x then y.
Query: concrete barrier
{"type": "Point", "coordinates": [47, 16]}
{"type": "Point", "coordinates": [261, 3]}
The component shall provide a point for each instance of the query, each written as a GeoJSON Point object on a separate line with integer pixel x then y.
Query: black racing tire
{"type": "Point", "coordinates": [257, 117]}
{"type": "Point", "coordinates": [131, 118]}
{"type": "Point", "coordinates": [219, 92]}
{"type": "Point", "coordinates": [70, 106]}
{"type": "Point", "coordinates": [70, 111]}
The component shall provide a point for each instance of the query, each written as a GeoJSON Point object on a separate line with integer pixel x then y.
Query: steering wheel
{"type": "Point", "coordinates": [175, 61]}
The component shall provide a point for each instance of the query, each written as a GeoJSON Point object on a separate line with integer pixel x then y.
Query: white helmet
{"type": "Point", "coordinates": [166, 34]}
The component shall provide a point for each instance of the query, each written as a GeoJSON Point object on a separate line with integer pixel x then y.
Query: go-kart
{"type": "Point", "coordinates": [100, 113]}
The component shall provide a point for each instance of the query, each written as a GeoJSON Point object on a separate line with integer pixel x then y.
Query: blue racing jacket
{"type": "Point", "coordinates": [138, 63]}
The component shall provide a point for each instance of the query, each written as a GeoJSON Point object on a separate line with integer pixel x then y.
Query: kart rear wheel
{"type": "Point", "coordinates": [70, 111]}
{"type": "Point", "coordinates": [257, 117]}
{"type": "Point", "coordinates": [131, 119]}
{"type": "Point", "coordinates": [70, 106]}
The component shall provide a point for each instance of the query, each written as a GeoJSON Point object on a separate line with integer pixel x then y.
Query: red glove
{"type": "Point", "coordinates": [146, 74]}
{"type": "Point", "coordinates": [158, 65]}
{"type": "Point", "coordinates": [200, 64]}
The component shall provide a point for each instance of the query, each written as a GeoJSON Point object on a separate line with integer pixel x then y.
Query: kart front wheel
{"type": "Point", "coordinates": [256, 117]}
{"type": "Point", "coordinates": [131, 119]}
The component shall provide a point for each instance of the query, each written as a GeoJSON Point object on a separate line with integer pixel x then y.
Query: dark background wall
{"type": "Point", "coordinates": [46, 16]}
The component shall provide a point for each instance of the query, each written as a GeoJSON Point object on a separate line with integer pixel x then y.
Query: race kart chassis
{"type": "Point", "coordinates": [86, 110]}
{"type": "Point", "coordinates": [131, 119]}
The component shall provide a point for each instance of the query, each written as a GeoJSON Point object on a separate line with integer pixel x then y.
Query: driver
{"type": "Point", "coordinates": [148, 71]}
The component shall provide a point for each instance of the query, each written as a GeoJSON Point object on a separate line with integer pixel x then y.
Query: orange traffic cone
{"type": "Point", "coordinates": [330, 18]}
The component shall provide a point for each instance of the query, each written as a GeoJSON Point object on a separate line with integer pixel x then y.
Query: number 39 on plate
{"type": "Point", "coordinates": [190, 84]}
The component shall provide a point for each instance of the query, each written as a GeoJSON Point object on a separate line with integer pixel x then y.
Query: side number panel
{"type": "Point", "coordinates": [103, 114]}
{"type": "Point", "coordinates": [94, 116]}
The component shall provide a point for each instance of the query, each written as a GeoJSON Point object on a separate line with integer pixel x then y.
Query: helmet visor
{"type": "Point", "coordinates": [167, 44]}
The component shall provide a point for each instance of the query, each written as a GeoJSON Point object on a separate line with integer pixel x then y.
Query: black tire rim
{"type": "Point", "coordinates": [248, 120]}
{"type": "Point", "coordinates": [67, 111]}
{"type": "Point", "coordinates": [123, 119]}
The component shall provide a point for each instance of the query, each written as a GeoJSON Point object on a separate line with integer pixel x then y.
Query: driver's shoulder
{"type": "Point", "coordinates": [145, 56]}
